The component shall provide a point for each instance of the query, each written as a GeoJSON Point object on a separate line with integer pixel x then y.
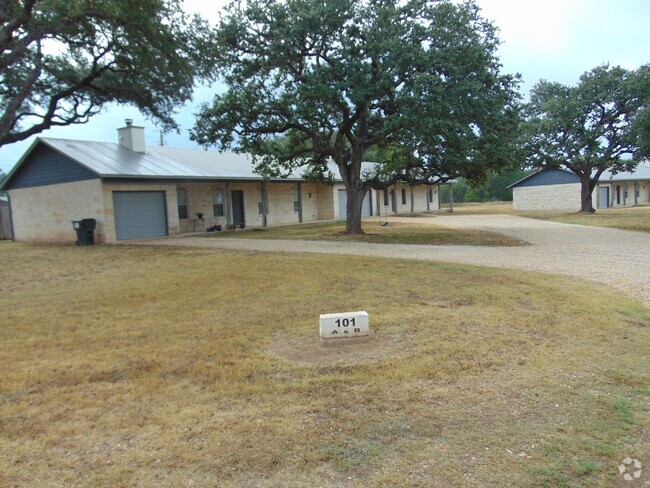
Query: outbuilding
{"type": "Point", "coordinates": [559, 189]}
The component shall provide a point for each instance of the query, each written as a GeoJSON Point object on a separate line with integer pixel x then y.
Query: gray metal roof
{"type": "Point", "coordinates": [109, 160]}
{"type": "Point", "coordinates": [642, 172]}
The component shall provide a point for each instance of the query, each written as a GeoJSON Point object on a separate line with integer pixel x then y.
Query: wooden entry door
{"type": "Point", "coordinates": [237, 197]}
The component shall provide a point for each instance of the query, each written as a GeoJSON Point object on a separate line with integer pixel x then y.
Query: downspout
{"type": "Point", "coordinates": [429, 197]}
{"type": "Point", "coordinates": [439, 197]}
{"type": "Point", "coordinates": [412, 200]}
{"type": "Point", "coordinates": [636, 200]}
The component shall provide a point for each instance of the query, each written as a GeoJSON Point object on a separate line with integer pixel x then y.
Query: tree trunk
{"type": "Point", "coordinates": [586, 189]}
{"type": "Point", "coordinates": [353, 211]}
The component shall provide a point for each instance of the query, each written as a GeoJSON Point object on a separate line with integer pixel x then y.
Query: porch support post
{"type": "Point", "coordinates": [263, 198]}
{"type": "Point", "coordinates": [299, 190]}
{"type": "Point", "coordinates": [429, 196]}
{"type": "Point", "coordinates": [451, 198]}
{"type": "Point", "coordinates": [228, 204]}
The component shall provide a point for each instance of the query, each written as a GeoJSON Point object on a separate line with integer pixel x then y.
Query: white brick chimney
{"type": "Point", "coordinates": [131, 137]}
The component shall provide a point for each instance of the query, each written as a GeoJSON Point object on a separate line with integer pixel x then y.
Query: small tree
{"type": "Point", "coordinates": [339, 78]}
{"type": "Point", "coordinates": [602, 123]}
{"type": "Point", "coordinates": [62, 60]}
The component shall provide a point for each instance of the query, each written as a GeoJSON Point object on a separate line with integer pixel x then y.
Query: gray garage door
{"type": "Point", "coordinates": [366, 209]}
{"type": "Point", "coordinates": [139, 214]}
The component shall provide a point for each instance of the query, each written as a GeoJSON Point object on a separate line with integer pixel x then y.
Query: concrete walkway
{"type": "Point", "coordinates": [617, 258]}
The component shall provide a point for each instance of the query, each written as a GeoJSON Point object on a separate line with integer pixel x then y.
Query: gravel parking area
{"type": "Point", "coordinates": [617, 258]}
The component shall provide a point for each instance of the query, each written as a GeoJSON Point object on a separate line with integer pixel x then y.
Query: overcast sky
{"type": "Point", "coordinates": [556, 40]}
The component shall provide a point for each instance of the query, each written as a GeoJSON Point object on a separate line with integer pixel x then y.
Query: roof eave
{"type": "Point", "coordinates": [524, 178]}
{"type": "Point", "coordinates": [202, 178]}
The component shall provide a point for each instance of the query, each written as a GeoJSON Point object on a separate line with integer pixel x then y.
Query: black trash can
{"type": "Point", "coordinates": [85, 231]}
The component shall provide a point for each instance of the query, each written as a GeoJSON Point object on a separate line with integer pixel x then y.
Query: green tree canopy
{"type": "Point", "coordinates": [494, 189]}
{"type": "Point", "coordinates": [62, 60]}
{"type": "Point", "coordinates": [419, 79]}
{"type": "Point", "coordinates": [602, 123]}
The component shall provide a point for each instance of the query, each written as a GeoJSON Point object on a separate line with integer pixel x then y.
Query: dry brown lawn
{"type": "Point", "coordinates": [631, 218]}
{"type": "Point", "coordinates": [393, 233]}
{"type": "Point", "coordinates": [138, 366]}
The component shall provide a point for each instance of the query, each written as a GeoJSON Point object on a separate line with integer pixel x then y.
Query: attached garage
{"type": "Point", "coordinates": [366, 208]}
{"type": "Point", "coordinates": [139, 214]}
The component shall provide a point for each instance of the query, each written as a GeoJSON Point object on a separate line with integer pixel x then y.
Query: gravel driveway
{"type": "Point", "coordinates": [617, 258]}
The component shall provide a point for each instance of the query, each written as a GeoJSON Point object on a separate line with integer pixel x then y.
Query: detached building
{"type": "Point", "coordinates": [136, 191]}
{"type": "Point", "coordinates": [558, 189]}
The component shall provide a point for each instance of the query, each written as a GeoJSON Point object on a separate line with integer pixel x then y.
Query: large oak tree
{"type": "Point", "coordinates": [62, 60]}
{"type": "Point", "coordinates": [339, 78]}
{"type": "Point", "coordinates": [602, 123]}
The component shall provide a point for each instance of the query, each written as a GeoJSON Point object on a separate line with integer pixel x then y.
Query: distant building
{"type": "Point", "coordinates": [557, 189]}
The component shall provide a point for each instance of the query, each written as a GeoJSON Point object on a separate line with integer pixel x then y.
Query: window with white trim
{"type": "Point", "coordinates": [217, 203]}
{"type": "Point", "coordinates": [181, 197]}
{"type": "Point", "coordinates": [296, 200]}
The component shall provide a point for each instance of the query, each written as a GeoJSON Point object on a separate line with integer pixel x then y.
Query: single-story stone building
{"type": "Point", "coordinates": [558, 189]}
{"type": "Point", "coordinates": [137, 191]}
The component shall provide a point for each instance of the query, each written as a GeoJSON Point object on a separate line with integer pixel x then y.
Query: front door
{"type": "Point", "coordinates": [237, 197]}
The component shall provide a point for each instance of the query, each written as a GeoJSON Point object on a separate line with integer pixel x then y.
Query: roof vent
{"type": "Point", "coordinates": [131, 137]}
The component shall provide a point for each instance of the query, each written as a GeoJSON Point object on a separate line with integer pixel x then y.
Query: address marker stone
{"type": "Point", "coordinates": [341, 325]}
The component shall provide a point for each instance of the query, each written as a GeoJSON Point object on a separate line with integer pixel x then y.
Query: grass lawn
{"type": "Point", "coordinates": [631, 218]}
{"type": "Point", "coordinates": [394, 233]}
{"type": "Point", "coordinates": [634, 218]}
{"type": "Point", "coordinates": [137, 366]}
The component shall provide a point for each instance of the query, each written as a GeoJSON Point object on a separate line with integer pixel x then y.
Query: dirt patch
{"type": "Point", "coordinates": [309, 348]}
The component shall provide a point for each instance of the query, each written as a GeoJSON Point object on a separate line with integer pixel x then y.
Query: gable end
{"type": "Point", "coordinates": [547, 177]}
{"type": "Point", "coordinates": [45, 166]}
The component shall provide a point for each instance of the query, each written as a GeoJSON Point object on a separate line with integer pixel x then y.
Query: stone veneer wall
{"type": "Point", "coordinates": [280, 197]}
{"type": "Point", "coordinates": [547, 197]}
{"type": "Point", "coordinates": [44, 213]}
{"type": "Point", "coordinates": [643, 187]}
